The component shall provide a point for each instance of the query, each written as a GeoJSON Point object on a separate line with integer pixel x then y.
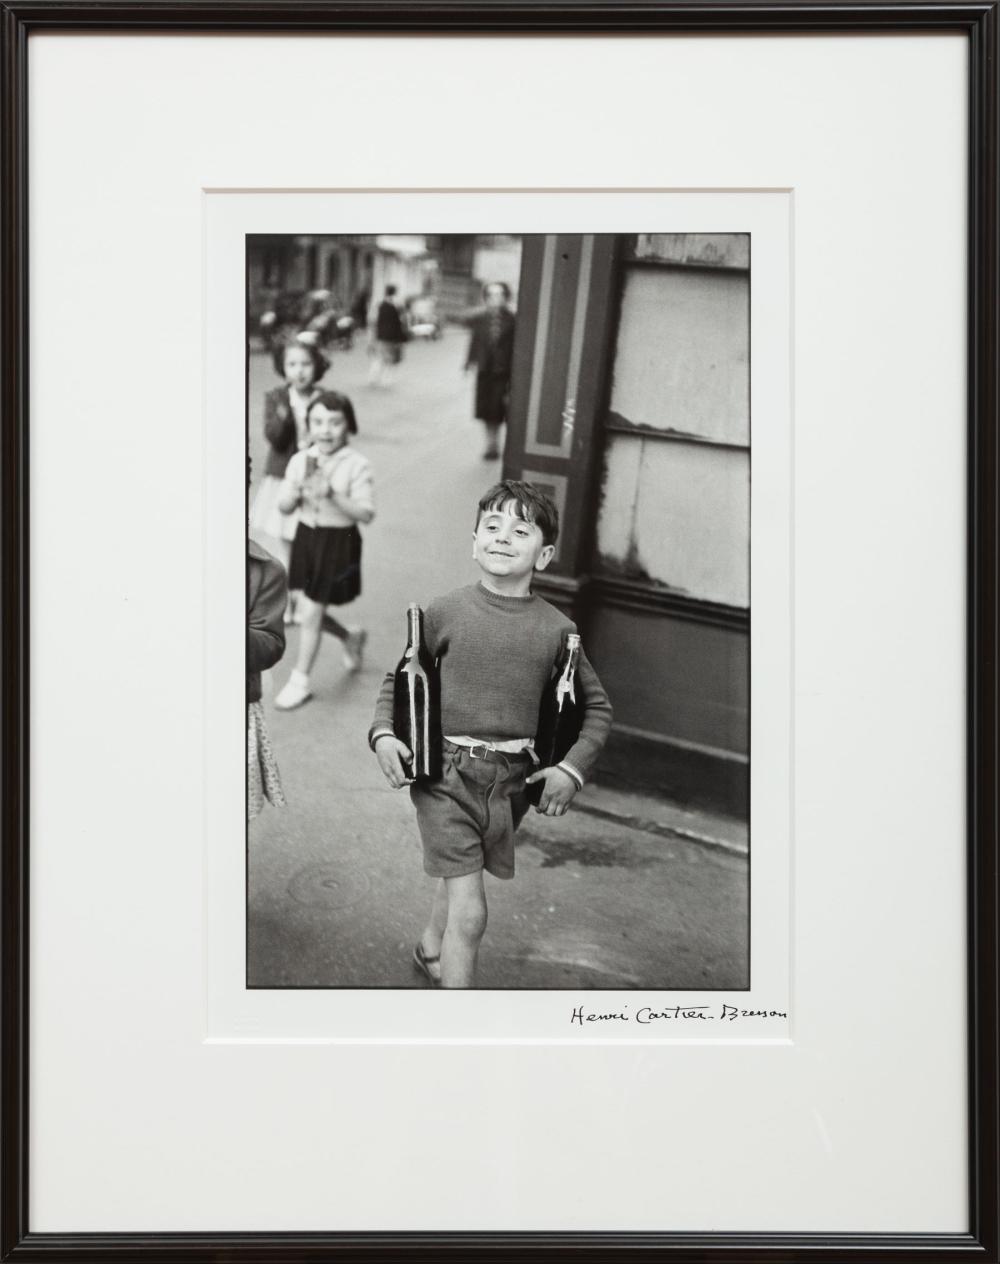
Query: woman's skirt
{"type": "Point", "coordinates": [263, 778]}
{"type": "Point", "coordinates": [491, 397]}
{"type": "Point", "coordinates": [265, 516]}
{"type": "Point", "coordinates": [326, 564]}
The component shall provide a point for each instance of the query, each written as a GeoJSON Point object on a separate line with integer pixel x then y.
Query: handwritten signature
{"type": "Point", "coordinates": [646, 1014]}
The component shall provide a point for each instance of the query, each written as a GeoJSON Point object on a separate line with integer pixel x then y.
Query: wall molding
{"type": "Point", "coordinates": [650, 598]}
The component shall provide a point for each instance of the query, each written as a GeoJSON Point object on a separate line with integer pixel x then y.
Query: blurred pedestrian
{"type": "Point", "coordinates": [359, 308]}
{"type": "Point", "coordinates": [386, 348]}
{"type": "Point", "coordinates": [491, 353]}
{"type": "Point", "coordinates": [267, 594]}
{"type": "Point", "coordinates": [300, 362]}
{"type": "Point", "coordinates": [329, 485]}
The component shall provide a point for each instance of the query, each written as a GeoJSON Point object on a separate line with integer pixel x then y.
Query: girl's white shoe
{"type": "Point", "coordinates": [295, 692]}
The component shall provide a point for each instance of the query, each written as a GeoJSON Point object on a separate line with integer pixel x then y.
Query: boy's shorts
{"type": "Point", "coordinates": [467, 819]}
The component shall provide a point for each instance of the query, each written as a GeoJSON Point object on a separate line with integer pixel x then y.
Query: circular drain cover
{"type": "Point", "coordinates": [331, 886]}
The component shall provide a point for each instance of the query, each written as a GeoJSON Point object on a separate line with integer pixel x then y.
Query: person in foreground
{"type": "Point", "coordinates": [497, 644]}
{"type": "Point", "coordinates": [267, 593]}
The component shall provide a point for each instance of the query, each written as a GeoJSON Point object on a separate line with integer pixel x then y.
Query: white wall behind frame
{"type": "Point", "coordinates": [125, 132]}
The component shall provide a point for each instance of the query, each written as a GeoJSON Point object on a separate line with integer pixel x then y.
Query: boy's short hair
{"type": "Point", "coordinates": [530, 502]}
{"type": "Point", "coordinates": [336, 403]}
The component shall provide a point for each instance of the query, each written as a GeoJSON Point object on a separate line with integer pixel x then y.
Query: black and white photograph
{"type": "Point", "coordinates": [498, 576]}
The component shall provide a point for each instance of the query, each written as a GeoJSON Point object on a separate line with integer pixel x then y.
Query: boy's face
{"type": "Point", "coordinates": [495, 296]}
{"type": "Point", "coordinates": [507, 547]}
{"type": "Point", "coordinates": [327, 428]}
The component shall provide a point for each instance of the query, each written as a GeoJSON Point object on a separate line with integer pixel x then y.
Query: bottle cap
{"type": "Point", "coordinates": [572, 640]}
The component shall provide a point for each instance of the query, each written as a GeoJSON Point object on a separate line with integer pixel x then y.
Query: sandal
{"type": "Point", "coordinates": [423, 964]}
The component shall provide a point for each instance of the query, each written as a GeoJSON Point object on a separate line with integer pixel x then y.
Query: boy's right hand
{"type": "Point", "coordinates": [390, 753]}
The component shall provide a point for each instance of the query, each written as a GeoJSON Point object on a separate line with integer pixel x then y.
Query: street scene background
{"type": "Point", "coordinates": [629, 890]}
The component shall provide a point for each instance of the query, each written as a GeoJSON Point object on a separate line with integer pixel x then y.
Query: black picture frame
{"type": "Point", "coordinates": [978, 22]}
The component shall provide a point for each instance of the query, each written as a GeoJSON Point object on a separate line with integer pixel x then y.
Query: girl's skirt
{"type": "Point", "coordinates": [326, 564]}
{"type": "Point", "coordinates": [263, 778]}
{"type": "Point", "coordinates": [265, 516]}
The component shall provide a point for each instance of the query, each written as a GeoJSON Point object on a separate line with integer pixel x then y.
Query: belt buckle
{"type": "Point", "coordinates": [483, 746]}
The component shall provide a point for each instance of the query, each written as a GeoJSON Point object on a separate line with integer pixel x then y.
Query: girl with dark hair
{"type": "Point", "coordinates": [329, 486]}
{"type": "Point", "coordinates": [301, 364]}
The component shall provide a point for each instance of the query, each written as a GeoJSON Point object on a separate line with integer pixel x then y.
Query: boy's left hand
{"type": "Point", "coordinates": [557, 793]}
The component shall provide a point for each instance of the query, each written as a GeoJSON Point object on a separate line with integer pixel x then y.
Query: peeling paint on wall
{"type": "Point", "coordinates": [718, 250]}
{"type": "Point", "coordinates": [682, 357]}
{"type": "Point", "coordinates": [677, 515]}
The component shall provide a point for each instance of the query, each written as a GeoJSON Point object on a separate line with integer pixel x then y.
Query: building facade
{"type": "Point", "coordinates": [630, 403]}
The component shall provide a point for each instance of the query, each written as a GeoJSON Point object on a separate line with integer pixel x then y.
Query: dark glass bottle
{"type": "Point", "coordinates": [560, 714]}
{"type": "Point", "coordinates": [416, 701]}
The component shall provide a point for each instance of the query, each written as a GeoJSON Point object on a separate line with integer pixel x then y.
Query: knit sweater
{"type": "Point", "coordinates": [496, 655]}
{"type": "Point", "coordinates": [345, 472]}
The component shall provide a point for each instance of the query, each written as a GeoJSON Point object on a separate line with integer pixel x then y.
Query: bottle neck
{"type": "Point", "coordinates": [567, 673]}
{"type": "Point", "coordinates": [570, 664]}
{"type": "Point", "coordinates": [571, 656]}
{"type": "Point", "coordinates": [414, 630]}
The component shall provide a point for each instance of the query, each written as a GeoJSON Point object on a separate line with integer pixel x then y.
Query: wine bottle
{"type": "Point", "coordinates": [560, 713]}
{"type": "Point", "coordinates": [416, 701]}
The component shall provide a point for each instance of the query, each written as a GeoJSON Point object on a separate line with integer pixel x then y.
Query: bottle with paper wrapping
{"type": "Point", "coordinates": [560, 713]}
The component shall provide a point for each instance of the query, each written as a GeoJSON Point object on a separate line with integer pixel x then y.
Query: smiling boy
{"type": "Point", "coordinates": [497, 644]}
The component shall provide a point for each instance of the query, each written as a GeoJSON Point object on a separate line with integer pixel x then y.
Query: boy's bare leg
{"type": "Point", "coordinates": [464, 931]}
{"type": "Point", "coordinates": [430, 940]}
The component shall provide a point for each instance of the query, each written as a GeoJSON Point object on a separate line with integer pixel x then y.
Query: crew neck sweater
{"type": "Point", "coordinates": [496, 654]}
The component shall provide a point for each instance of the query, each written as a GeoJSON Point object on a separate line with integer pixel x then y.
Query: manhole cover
{"type": "Point", "coordinates": [331, 886]}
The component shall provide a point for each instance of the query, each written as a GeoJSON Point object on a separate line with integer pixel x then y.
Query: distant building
{"type": "Point", "coordinates": [279, 265]}
{"type": "Point", "coordinates": [452, 269]}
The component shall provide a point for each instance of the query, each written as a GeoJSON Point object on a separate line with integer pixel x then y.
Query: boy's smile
{"type": "Point", "coordinates": [509, 550]}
